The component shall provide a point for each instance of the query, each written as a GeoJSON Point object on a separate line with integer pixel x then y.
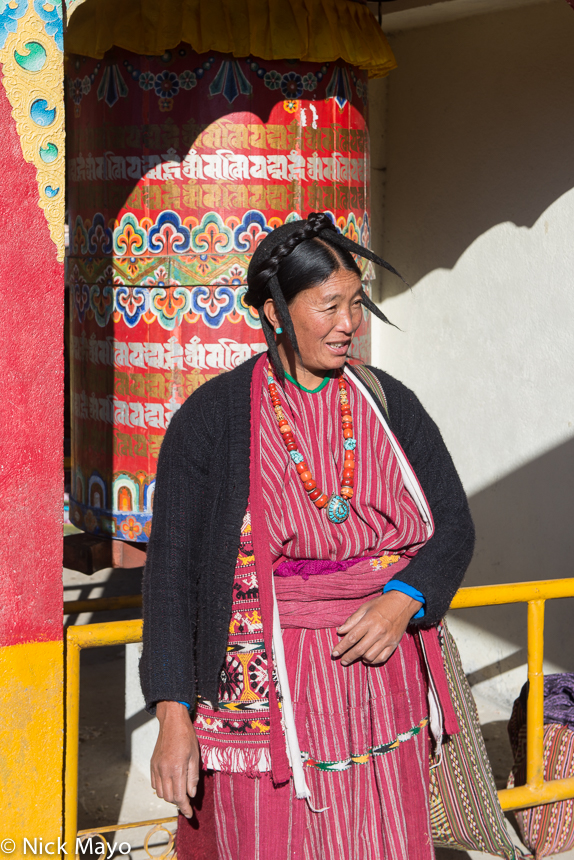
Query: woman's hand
{"type": "Point", "coordinates": [175, 759]}
{"type": "Point", "coordinates": [373, 632]}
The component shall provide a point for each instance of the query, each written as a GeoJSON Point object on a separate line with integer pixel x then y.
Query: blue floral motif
{"type": "Point", "coordinates": [294, 216]}
{"type": "Point", "coordinates": [187, 80]}
{"type": "Point", "coordinates": [81, 294]}
{"type": "Point", "coordinates": [100, 237]}
{"type": "Point", "coordinates": [146, 80]}
{"type": "Point", "coordinates": [249, 314]}
{"type": "Point", "coordinates": [53, 20]}
{"type": "Point", "coordinates": [166, 84]}
{"type": "Point", "coordinates": [309, 82]}
{"type": "Point", "coordinates": [292, 85]}
{"type": "Point", "coordinates": [132, 303]}
{"type": "Point", "coordinates": [102, 302]}
{"type": "Point", "coordinates": [251, 231]}
{"type": "Point", "coordinates": [213, 303]}
{"type": "Point", "coordinates": [272, 80]}
{"type": "Point", "coordinates": [8, 18]}
{"type": "Point", "coordinates": [129, 237]}
{"type": "Point", "coordinates": [79, 237]}
{"type": "Point", "coordinates": [170, 305]}
{"type": "Point", "coordinates": [205, 239]}
{"type": "Point", "coordinates": [75, 90]}
{"type": "Point", "coordinates": [168, 234]}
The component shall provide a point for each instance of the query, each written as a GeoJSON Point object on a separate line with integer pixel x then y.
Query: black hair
{"type": "Point", "coordinates": [310, 263]}
{"type": "Point", "coordinates": [295, 257]}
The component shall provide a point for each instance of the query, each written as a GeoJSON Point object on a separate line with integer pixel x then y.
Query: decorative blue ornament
{"type": "Point", "coordinates": [350, 444]}
{"type": "Point", "coordinates": [279, 330]}
{"type": "Point", "coordinates": [337, 509]}
{"type": "Point", "coordinates": [296, 456]}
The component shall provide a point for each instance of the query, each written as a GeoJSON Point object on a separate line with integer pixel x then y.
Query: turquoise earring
{"type": "Point", "coordinates": [279, 330]}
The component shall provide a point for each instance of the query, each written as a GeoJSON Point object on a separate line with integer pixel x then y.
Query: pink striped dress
{"type": "Point", "coordinates": [362, 730]}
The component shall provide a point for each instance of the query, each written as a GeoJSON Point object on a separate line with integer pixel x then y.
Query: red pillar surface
{"type": "Point", "coordinates": [31, 503]}
{"type": "Point", "coordinates": [31, 430]}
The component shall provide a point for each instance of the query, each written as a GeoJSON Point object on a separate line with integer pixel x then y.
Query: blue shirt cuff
{"type": "Point", "coordinates": [397, 585]}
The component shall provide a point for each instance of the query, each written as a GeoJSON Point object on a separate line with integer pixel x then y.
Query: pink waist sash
{"type": "Point", "coordinates": [327, 601]}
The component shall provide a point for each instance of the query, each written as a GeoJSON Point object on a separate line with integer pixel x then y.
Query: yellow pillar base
{"type": "Point", "coordinates": [31, 748]}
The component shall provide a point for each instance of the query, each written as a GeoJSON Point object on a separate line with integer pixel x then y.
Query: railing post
{"type": "Point", "coordinates": [535, 707]}
{"type": "Point", "coordinates": [72, 744]}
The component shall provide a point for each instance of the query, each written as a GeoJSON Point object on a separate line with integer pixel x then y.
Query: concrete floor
{"type": "Point", "coordinates": [111, 790]}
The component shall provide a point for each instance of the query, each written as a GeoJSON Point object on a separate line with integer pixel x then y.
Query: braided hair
{"type": "Point", "coordinates": [280, 268]}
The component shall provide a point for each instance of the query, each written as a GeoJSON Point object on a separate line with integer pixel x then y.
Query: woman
{"type": "Point", "coordinates": [298, 549]}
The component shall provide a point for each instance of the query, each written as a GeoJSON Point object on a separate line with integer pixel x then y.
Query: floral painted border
{"type": "Point", "coordinates": [230, 81]}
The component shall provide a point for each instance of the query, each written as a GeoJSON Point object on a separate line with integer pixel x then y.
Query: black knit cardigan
{"type": "Point", "coordinates": [201, 495]}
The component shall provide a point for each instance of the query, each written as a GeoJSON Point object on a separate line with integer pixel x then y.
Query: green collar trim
{"type": "Point", "coordinates": [308, 390]}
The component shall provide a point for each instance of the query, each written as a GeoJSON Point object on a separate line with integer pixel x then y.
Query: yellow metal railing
{"type": "Point", "coordinates": [535, 594]}
{"type": "Point", "coordinates": [78, 637]}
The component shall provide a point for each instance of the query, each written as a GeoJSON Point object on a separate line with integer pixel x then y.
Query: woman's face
{"type": "Point", "coordinates": [325, 319]}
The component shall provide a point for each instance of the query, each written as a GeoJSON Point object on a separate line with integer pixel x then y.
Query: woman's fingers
{"type": "Point", "coordinates": [172, 787]}
{"type": "Point", "coordinates": [193, 774]}
{"type": "Point", "coordinates": [357, 643]}
{"type": "Point", "coordinates": [377, 654]}
{"type": "Point", "coordinates": [352, 620]}
{"type": "Point", "coordinates": [350, 625]}
{"type": "Point", "coordinates": [374, 631]}
{"type": "Point", "coordinates": [366, 630]}
{"type": "Point", "coordinates": [175, 759]}
{"type": "Point", "coordinates": [371, 650]}
{"type": "Point", "coordinates": [359, 638]}
{"type": "Point", "coordinates": [182, 800]}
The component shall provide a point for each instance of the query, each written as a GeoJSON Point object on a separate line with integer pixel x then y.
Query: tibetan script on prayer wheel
{"type": "Point", "coordinates": [178, 166]}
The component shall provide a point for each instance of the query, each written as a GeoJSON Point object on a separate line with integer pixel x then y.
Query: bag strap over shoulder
{"type": "Point", "coordinates": [373, 384]}
{"type": "Point", "coordinates": [411, 482]}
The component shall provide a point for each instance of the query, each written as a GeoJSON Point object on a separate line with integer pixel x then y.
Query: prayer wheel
{"type": "Point", "coordinates": [178, 166]}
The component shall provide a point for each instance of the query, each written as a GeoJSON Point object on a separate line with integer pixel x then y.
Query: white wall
{"type": "Point", "coordinates": [473, 145]}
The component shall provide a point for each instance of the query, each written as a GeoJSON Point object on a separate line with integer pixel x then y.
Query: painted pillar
{"type": "Point", "coordinates": [179, 166]}
{"type": "Point", "coordinates": [31, 422]}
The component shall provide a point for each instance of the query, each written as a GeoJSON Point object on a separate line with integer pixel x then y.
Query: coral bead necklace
{"type": "Point", "coordinates": [336, 505]}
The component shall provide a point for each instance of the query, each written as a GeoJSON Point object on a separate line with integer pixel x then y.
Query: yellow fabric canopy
{"type": "Point", "coordinates": [314, 30]}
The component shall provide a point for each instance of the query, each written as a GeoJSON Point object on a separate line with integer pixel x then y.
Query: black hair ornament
{"type": "Point", "coordinates": [316, 225]}
{"type": "Point", "coordinates": [326, 230]}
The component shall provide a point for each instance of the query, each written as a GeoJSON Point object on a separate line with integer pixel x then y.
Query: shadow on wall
{"type": "Point", "coordinates": [477, 132]}
{"type": "Point", "coordinates": [524, 532]}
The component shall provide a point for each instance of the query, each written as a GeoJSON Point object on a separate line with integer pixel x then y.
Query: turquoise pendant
{"type": "Point", "coordinates": [337, 509]}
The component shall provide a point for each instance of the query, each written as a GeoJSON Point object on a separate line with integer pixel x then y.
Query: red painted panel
{"type": "Point", "coordinates": [31, 411]}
